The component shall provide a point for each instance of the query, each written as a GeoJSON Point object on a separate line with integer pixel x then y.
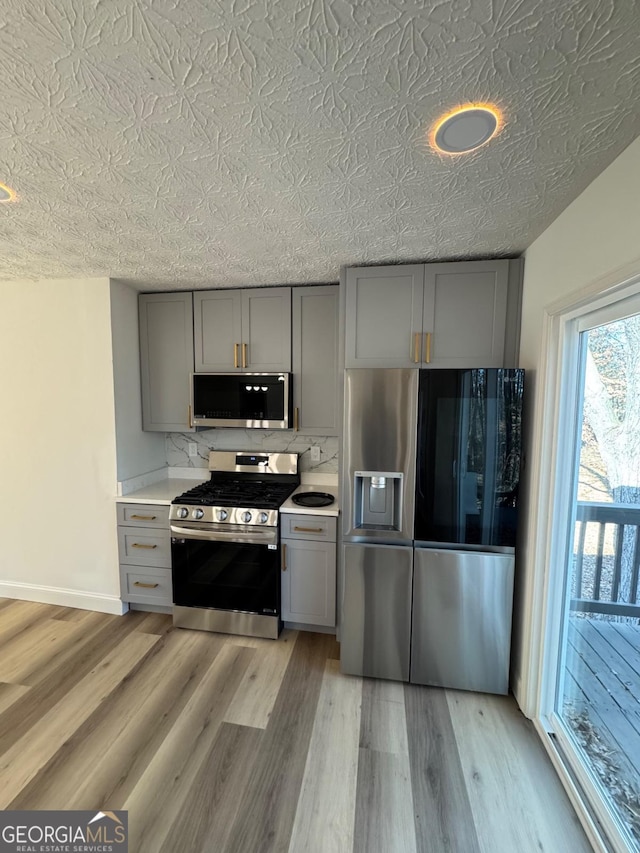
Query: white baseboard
{"type": "Point", "coordinates": [64, 597]}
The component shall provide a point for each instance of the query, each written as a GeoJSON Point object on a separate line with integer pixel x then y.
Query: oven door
{"type": "Point", "coordinates": [228, 570]}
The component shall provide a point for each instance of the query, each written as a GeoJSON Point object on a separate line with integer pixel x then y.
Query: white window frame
{"type": "Point", "coordinates": [604, 301]}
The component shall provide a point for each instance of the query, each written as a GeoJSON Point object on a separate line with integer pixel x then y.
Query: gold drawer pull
{"type": "Point", "coordinates": [427, 346]}
{"type": "Point", "coordinates": [244, 355]}
{"type": "Point", "coordinates": [145, 517]}
{"type": "Point", "coordinates": [309, 529]}
{"type": "Point", "coordinates": [416, 348]}
{"type": "Point", "coordinates": [139, 545]}
{"type": "Point", "coordinates": [146, 585]}
{"type": "Point", "coordinates": [235, 355]}
{"type": "Point", "coordinates": [284, 558]}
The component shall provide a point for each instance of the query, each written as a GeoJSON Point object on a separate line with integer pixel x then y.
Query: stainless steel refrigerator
{"type": "Point", "coordinates": [430, 471]}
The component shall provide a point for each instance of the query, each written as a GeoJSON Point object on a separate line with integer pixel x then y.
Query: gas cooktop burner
{"type": "Point", "coordinates": [257, 494]}
{"type": "Point", "coordinates": [245, 489]}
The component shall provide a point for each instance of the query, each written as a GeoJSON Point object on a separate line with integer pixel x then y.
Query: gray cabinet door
{"type": "Point", "coordinates": [166, 360]}
{"type": "Point", "coordinates": [465, 308]}
{"type": "Point", "coordinates": [245, 330]}
{"type": "Point", "coordinates": [315, 359]}
{"type": "Point", "coordinates": [266, 330]}
{"type": "Point", "coordinates": [217, 330]}
{"type": "Point", "coordinates": [462, 604]}
{"type": "Point", "coordinates": [384, 316]}
{"type": "Point", "coordinates": [376, 611]}
{"type": "Point", "coordinates": [309, 582]}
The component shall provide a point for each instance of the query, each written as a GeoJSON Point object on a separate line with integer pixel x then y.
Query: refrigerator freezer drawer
{"type": "Point", "coordinates": [462, 604]}
{"type": "Point", "coordinates": [376, 611]}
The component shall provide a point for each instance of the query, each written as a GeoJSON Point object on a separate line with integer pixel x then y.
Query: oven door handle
{"type": "Point", "coordinates": [245, 536]}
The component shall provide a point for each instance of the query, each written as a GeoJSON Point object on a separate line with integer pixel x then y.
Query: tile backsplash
{"type": "Point", "coordinates": [177, 447]}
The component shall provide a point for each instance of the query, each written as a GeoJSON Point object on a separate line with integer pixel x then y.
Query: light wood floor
{"type": "Point", "coordinates": [232, 745]}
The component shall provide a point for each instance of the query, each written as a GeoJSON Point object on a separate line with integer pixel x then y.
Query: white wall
{"type": "Point", "coordinates": [57, 444]}
{"type": "Point", "coordinates": [597, 235]}
{"type": "Point", "coordinates": [138, 452]}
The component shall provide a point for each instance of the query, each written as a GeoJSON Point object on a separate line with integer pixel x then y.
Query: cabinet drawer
{"type": "Point", "coordinates": [143, 515]}
{"type": "Point", "coordinates": [314, 527]}
{"type": "Point", "coordinates": [140, 547]}
{"type": "Point", "coordinates": [146, 585]}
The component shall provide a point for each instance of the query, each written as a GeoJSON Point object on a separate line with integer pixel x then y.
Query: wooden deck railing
{"type": "Point", "coordinates": [617, 595]}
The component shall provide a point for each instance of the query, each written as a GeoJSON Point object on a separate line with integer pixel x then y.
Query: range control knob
{"type": "Point", "coordinates": [222, 515]}
{"type": "Point", "coordinates": [183, 512]}
{"type": "Point", "coordinates": [263, 518]}
{"type": "Point", "coordinates": [246, 516]}
{"type": "Point", "coordinates": [197, 513]}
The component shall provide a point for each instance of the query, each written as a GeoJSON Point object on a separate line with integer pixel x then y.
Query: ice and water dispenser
{"type": "Point", "coordinates": [378, 500]}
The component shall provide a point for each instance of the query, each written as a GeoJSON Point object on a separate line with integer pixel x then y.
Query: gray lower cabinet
{"type": "Point", "coordinates": [245, 330]}
{"type": "Point", "coordinates": [144, 545]}
{"type": "Point", "coordinates": [315, 359]}
{"type": "Point", "coordinates": [309, 570]}
{"type": "Point", "coordinates": [166, 360]}
{"type": "Point", "coordinates": [432, 315]}
{"type": "Point", "coordinates": [376, 611]}
{"type": "Point", "coordinates": [462, 603]}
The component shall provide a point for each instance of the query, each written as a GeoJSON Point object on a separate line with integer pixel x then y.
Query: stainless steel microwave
{"type": "Point", "coordinates": [247, 400]}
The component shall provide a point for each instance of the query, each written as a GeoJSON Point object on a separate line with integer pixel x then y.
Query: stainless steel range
{"type": "Point", "coordinates": [225, 544]}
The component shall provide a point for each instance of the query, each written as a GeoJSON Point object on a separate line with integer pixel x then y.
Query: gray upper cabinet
{"type": "Point", "coordinates": [430, 315]}
{"type": "Point", "coordinates": [166, 360]}
{"type": "Point", "coordinates": [246, 330]}
{"type": "Point", "coordinates": [384, 316]}
{"type": "Point", "coordinates": [315, 359]}
{"type": "Point", "coordinates": [217, 329]}
{"type": "Point", "coordinates": [465, 309]}
{"type": "Point", "coordinates": [266, 329]}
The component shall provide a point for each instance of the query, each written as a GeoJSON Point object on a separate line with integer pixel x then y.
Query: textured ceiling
{"type": "Point", "coordinates": [203, 143]}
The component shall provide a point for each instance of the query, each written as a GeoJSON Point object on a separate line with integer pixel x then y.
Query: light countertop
{"type": "Point", "coordinates": [332, 489]}
{"type": "Point", "coordinates": [165, 490]}
{"type": "Point", "coordinates": [162, 492]}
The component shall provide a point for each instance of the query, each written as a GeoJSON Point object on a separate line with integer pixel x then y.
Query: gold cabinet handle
{"type": "Point", "coordinates": [244, 355]}
{"type": "Point", "coordinates": [296, 419]}
{"type": "Point", "coordinates": [284, 558]}
{"type": "Point", "coordinates": [235, 355]}
{"type": "Point", "coordinates": [416, 348]}
{"type": "Point", "coordinates": [145, 517]}
{"type": "Point", "coordinates": [309, 529]}
{"type": "Point", "coordinates": [146, 585]}
{"type": "Point", "coordinates": [427, 347]}
{"type": "Point", "coordinates": [139, 545]}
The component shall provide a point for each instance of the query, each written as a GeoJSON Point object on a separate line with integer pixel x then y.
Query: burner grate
{"type": "Point", "coordinates": [256, 494]}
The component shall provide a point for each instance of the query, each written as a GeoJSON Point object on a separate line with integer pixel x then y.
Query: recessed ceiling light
{"type": "Point", "coordinates": [465, 128]}
{"type": "Point", "coordinates": [7, 194]}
